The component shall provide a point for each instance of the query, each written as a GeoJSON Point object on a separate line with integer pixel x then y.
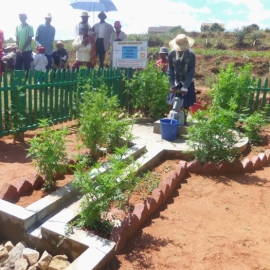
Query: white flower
{"type": "Point", "coordinates": [116, 223]}
{"type": "Point", "coordinates": [118, 180]}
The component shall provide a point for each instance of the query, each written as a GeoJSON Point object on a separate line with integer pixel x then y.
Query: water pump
{"type": "Point", "coordinates": [176, 112]}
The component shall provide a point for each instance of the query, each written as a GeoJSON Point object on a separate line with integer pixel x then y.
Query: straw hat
{"type": "Point", "coordinates": [181, 43]}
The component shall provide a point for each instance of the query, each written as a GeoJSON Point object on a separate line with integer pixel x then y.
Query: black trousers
{"type": "Point", "coordinates": [100, 51]}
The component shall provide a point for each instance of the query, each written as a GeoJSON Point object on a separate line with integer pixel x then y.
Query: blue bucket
{"type": "Point", "coordinates": [168, 129]}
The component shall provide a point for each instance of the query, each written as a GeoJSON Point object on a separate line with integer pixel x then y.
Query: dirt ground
{"type": "Point", "coordinates": [208, 223]}
{"type": "Point", "coordinates": [14, 165]}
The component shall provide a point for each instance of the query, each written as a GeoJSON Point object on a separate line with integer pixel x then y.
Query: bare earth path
{"type": "Point", "coordinates": [218, 223]}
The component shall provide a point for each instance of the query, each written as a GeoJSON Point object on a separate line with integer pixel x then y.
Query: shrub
{"type": "Point", "coordinates": [233, 84]}
{"type": "Point", "coordinates": [149, 89]}
{"type": "Point", "coordinates": [253, 126]}
{"type": "Point", "coordinates": [103, 190]}
{"type": "Point", "coordinates": [49, 152]}
{"type": "Point", "coordinates": [99, 120]}
{"type": "Point", "coordinates": [211, 138]}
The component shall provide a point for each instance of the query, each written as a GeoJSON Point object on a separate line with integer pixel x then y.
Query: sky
{"type": "Point", "coordinates": [137, 15]}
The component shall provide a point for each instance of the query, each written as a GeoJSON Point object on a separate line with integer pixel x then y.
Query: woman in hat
{"type": "Point", "coordinates": [162, 63]}
{"type": "Point", "coordinates": [181, 71]}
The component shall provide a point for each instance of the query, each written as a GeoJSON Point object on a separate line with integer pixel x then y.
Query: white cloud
{"type": "Point", "coordinates": [135, 15]}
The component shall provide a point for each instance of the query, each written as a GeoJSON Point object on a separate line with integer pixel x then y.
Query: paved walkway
{"type": "Point", "coordinates": [144, 135]}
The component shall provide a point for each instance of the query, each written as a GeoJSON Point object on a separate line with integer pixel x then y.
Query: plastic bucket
{"type": "Point", "coordinates": [197, 106]}
{"type": "Point", "coordinates": [168, 129]}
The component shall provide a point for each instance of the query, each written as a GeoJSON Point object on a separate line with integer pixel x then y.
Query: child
{"type": "Point", "coordinates": [40, 62]}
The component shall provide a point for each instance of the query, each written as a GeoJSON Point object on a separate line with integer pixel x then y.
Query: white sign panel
{"type": "Point", "coordinates": [130, 54]}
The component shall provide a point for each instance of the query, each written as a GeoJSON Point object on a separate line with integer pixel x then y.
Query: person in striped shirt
{"type": "Point", "coordinates": [24, 34]}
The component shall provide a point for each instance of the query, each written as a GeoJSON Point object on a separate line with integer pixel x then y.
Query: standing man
{"type": "Point", "coordinates": [84, 22]}
{"type": "Point", "coordinates": [181, 71]}
{"type": "Point", "coordinates": [45, 37]}
{"type": "Point", "coordinates": [102, 32]}
{"type": "Point", "coordinates": [1, 49]}
{"type": "Point", "coordinates": [24, 34]}
{"type": "Point", "coordinates": [116, 35]}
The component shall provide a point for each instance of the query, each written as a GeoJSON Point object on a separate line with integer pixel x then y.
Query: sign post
{"type": "Point", "coordinates": [130, 54]}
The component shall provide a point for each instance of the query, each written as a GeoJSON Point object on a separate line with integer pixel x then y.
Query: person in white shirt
{"type": "Point", "coordinates": [85, 50]}
{"type": "Point", "coordinates": [102, 32]}
{"type": "Point", "coordinates": [40, 62]}
{"type": "Point", "coordinates": [116, 35]}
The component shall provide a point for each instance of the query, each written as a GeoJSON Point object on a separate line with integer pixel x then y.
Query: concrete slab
{"type": "Point", "coordinates": [144, 135]}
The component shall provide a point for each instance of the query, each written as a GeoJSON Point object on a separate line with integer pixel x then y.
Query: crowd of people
{"type": "Point", "coordinates": [92, 43]}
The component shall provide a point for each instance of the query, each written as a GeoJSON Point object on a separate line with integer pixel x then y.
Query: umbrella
{"type": "Point", "coordinates": [94, 5]}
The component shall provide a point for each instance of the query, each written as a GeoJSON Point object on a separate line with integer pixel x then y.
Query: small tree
{"type": "Point", "coordinates": [215, 27]}
{"type": "Point", "coordinates": [240, 34]}
{"type": "Point", "coordinates": [49, 152]}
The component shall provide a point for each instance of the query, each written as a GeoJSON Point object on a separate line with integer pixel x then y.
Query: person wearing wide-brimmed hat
{"type": "Point", "coordinates": [24, 34]}
{"type": "Point", "coordinates": [117, 35]}
{"type": "Point", "coordinates": [45, 37]}
{"type": "Point", "coordinates": [82, 23]}
{"type": "Point", "coordinates": [1, 48]}
{"type": "Point", "coordinates": [181, 71]}
{"type": "Point", "coordinates": [102, 32]}
{"type": "Point", "coordinates": [60, 56]}
{"type": "Point", "coordinates": [162, 63]}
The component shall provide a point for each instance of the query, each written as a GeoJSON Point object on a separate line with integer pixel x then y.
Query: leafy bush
{"type": "Point", "coordinates": [99, 120]}
{"type": "Point", "coordinates": [102, 190]}
{"type": "Point", "coordinates": [253, 126]}
{"type": "Point", "coordinates": [149, 90]}
{"type": "Point", "coordinates": [233, 84]}
{"type": "Point", "coordinates": [49, 152]}
{"type": "Point", "coordinates": [211, 138]}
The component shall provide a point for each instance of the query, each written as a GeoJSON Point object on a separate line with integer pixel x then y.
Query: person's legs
{"type": "Point", "coordinates": [18, 62]}
{"type": "Point", "coordinates": [100, 51]}
{"type": "Point", "coordinates": [49, 57]}
{"type": "Point", "coordinates": [27, 60]}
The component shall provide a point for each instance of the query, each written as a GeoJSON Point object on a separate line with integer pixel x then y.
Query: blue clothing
{"type": "Point", "coordinates": [45, 37]}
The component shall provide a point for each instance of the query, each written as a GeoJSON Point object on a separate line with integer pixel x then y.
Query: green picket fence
{"type": "Point", "coordinates": [53, 95]}
{"type": "Point", "coordinates": [50, 95]}
{"type": "Point", "coordinates": [259, 99]}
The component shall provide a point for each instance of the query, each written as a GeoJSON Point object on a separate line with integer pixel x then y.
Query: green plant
{"type": "Point", "coordinates": [240, 34]}
{"type": "Point", "coordinates": [49, 152]}
{"type": "Point", "coordinates": [17, 113]}
{"type": "Point", "coordinates": [99, 120]}
{"type": "Point", "coordinates": [149, 90]}
{"type": "Point", "coordinates": [253, 126]}
{"type": "Point", "coordinates": [212, 138]}
{"type": "Point", "coordinates": [103, 190]}
{"type": "Point", "coordinates": [233, 84]}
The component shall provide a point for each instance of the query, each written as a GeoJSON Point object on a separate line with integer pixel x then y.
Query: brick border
{"type": "Point", "coordinates": [245, 165]}
{"type": "Point", "coordinates": [142, 211]}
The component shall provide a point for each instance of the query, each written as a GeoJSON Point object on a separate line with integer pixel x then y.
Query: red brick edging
{"type": "Point", "coordinates": [9, 192]}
